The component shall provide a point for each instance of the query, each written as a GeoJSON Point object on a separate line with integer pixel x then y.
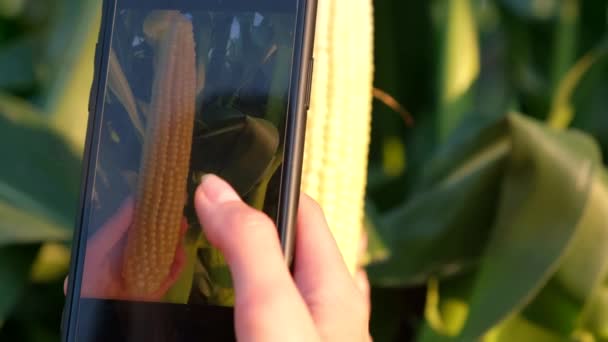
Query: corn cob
{"type": "Point", "coordinates": [338, 132]}
{"type": "Point", "coordinates": [153, 237]}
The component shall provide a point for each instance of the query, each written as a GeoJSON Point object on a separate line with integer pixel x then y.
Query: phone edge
{"type": "Point", "coordinates": [98, 83]}
{"type": "Point", "coordinates": [296, 132]}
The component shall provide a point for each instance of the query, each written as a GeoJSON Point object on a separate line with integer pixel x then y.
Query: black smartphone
{"type": "Point", "coordinates": [183, 88]}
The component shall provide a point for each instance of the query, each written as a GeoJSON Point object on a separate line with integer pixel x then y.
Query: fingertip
{"type": "Point", "coordinates": [310, 206]}
{"type": "Point", "coordinates": [216, 191]}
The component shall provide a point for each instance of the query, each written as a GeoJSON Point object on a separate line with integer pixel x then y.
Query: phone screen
{"type": "Point", "coordinates": [192, 87]}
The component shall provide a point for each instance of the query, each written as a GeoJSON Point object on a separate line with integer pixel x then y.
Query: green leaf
{"type": "Point", "coordinates": [534, 226]}
{"type": "Point", "coordinates": [15, 263]}
{"type": "Point", "coordinates": [446, 308]}
{"type": "Point", "coordinates": [554, 308]}
{"type": "Point", "coordinates": [578, 283]}
{"type": "Point", "coordinates": [562, 109]}
{"type": "Point", "coordinates": [17, 64]}
{"type": "Point", "coordinates": [423, 242]}
{"type": "Point", "coordinates": [238, 148]}
{"type": "Point", "coordinates": [533, 9]}
{"type": "Point", "coordinates": [11, 8]}
{"type": "Point", "coordinates": [25, 225]}
{"type": "Point", "coordinates": [585, 266]}
{"type": "Point", "coordinates": [66, 67]}
{"type": "Point", "coordinates": [596, 317]}
{"type": "Point", "coordinates": [519, 329]}
{"type": "Point", "coordinates": [459, 66]}
{"type": "Point", "coordinates": [376, 247]}
{"type": "Point", "coordinates": [39, 180]}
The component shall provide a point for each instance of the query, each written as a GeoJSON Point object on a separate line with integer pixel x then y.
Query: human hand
{"type": "Point", "coordinates": [322, 302]}
{"type": "Point", "coordinates": [102, 274]}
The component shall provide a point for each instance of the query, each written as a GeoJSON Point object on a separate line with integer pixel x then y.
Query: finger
{"type": "Point", "coordinates": [318, 261]}
{"type": "Point", "coordinates": [329, 290]}
{"type": "Point", "coordinates": [268, 306]}
{"type": "Point", "coordinates": [363, 285]}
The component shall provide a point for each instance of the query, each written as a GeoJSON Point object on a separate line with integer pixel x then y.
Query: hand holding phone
{"type": "Point", "coordinates": [182, 89]}
{"type": "Point", "coordinates": [322, 302]}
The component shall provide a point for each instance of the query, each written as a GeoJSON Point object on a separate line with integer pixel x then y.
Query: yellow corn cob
{"type": "Point", "coordinates": [335, 155]}
{"type": "Point", "coordinates": [153, 237]}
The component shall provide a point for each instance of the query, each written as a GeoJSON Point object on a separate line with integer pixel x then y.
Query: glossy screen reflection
{"type": "Point", "coordinates": [188, 93]}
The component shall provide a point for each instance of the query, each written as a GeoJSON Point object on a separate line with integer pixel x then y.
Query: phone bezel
{"type": "Point", "coordinates": [293, 155]}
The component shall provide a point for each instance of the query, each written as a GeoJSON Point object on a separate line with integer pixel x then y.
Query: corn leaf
{"type": "Point", "coordinates": [459, 65]}
{"type": "Point", "coordinates": [15, 263]}
{"type": "Point", "coordinates": [38, 181]}
{"type": "Point", "coordinates": [17, 64]}
{"type": "Point", "coordinates": [573, 290]}
{"type": "Point", "coordinates": [68, 61]}
{"type": "Point", "coordinates": [542, 162]}
{"type": "Point", "coordinates": [467, 170]}
{"type": "Point", "coordinates": [533, 9]}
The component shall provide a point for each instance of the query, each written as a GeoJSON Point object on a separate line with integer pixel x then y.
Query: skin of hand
{"type": "Point", "coordinates": [321, 302]}
{"type": "Point", "coordinates": [102, 275]}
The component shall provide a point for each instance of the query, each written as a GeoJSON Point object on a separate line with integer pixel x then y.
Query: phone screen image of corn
{"type": "Point", "coordinates": [187, 93]}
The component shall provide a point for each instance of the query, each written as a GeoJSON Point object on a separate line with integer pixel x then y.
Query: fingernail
{"type": "Point", "coordinates": [216, 190]}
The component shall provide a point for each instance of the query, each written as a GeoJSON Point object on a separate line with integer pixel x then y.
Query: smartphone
{"type": "Point", "coordinates": [183, 88]}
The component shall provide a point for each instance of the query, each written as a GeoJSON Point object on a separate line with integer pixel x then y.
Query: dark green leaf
{"type": "Point", "coordinates": [39, 180]}
{"type": "Point", "coordinates": [376, 247]}
{"type": "Point", "coordinates": [239, 149]}
{"type": "Point", "coordinates": [574, 288]}
{"type": "Point", "coordinates": [533, 9]}
{"type": "Point", "coordinates": [439, 231]}
{"type": "Point", "coordinates": [15, 263]}
{"type": "Point", "coordinates": [534, 226]}
{"type": "Point", "coordinates": [554, 308]}
{"type": "Point", "coordinates": [17, 64]}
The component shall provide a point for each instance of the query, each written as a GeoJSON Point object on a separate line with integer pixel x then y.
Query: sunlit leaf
{"type": "Point", "coordinates": [11, 8]}
{"type": "Point", "coordinates": [596, 316]}
{"type": "Point", "coordinates": [459, 66]}
{"type": "Point", "coordinates": [68, 67]}
{"type": "Point", "coordinates": [562, 109]}
{"type": "Point", "coordinates": [519, 329]}
{"type": "Point", "coordinates": [51, 263]}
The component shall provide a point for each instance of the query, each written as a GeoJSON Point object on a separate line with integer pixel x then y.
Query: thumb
{"type": "Point", "coordinates": [268, 306]}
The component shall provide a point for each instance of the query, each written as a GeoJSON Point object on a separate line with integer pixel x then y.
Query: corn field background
{"type": "Point", "coordinates": [487, 204]}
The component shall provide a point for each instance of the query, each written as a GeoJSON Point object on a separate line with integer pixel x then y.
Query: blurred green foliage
{"type": "Point", "coordinates": [488, 217]}
{"type": "Point", "coordinates": [499, 219]}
